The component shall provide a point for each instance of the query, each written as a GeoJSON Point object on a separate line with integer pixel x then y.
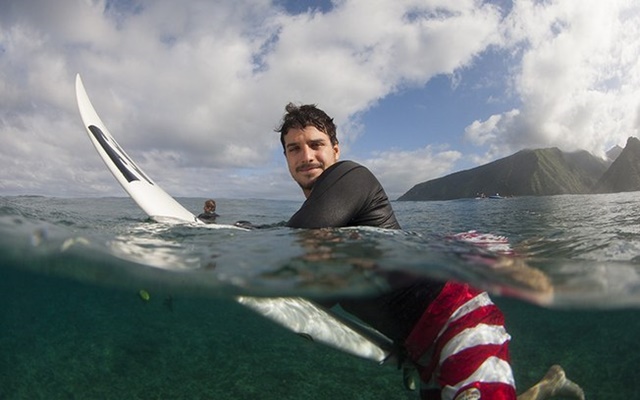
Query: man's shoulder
{"type": "Point", "coordinates": [348, 164]}
{"type": "Point", "coordinates": [342, 167]}
{"type": "Point", "coordinates": [346, 178]}
{"type": "Point", "coordinates": [342, 171]}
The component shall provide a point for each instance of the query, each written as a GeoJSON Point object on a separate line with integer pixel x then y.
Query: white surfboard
{"type": "Point", "coordinates": [154, 201]}
{"type": "Point", "coordinates": [296, 314]}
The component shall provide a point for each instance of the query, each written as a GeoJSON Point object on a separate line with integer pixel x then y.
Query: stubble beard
{"type": "Point", "coordinates": [308, 185]}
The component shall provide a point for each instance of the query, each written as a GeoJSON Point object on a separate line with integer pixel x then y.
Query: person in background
{"type": "Point", "coordinates": [209, 215]}
{"type": "Point", "coordinates": [452, 334]}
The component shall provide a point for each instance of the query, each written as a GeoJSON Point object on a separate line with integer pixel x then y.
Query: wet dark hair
{"type": "Point", "coordinates": [210, 204]}
{"type": "Point", "coordinates": [299, 117]}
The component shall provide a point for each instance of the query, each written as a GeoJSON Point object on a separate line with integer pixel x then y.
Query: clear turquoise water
{"type": "Point", "coordinates": [73, 325]}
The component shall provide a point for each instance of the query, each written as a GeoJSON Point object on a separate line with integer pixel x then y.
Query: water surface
{"type": "Point", "coordinates": [74, 325]}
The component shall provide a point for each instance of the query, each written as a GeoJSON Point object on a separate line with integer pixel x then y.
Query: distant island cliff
{"type": "Point", "coordinates": [539, 172]}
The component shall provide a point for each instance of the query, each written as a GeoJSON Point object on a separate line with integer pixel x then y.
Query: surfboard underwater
{"type": "Point", "coordinates": [296, 314]}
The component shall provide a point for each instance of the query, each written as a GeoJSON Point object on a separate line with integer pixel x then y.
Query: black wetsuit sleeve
{"type": "Point", "coordinates": [346, 194]}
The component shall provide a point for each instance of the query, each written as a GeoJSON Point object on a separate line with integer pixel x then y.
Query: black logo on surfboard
{"type": "Point", "coordinates": [125, 165]}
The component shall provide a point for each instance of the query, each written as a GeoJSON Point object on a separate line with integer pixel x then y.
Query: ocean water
{"type": "Point", "coordinates": [73, 325]}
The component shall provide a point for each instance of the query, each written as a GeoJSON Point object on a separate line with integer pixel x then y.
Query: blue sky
{"type": "Point", "coordinates": [430, 114]}
{"type": "Point", "coordinates": [419, 88]}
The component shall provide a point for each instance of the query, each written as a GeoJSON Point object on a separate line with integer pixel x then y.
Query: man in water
{"type": "Point", "coordinates": [451, 333]}
{"type": "Point", "coordinates": [209, 215]}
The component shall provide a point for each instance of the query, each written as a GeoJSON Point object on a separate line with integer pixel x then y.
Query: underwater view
{"type": "Point", "coordinates": [98, 301]}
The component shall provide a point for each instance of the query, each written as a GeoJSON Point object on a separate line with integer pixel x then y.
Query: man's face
{"type": "Point", "coordinates": [309, 152]}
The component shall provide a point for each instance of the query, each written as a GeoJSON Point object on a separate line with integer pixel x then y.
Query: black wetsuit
{"type": "Point", "coordinates": [348, 194]}
{"type": "Point", "coordinates": [208, 217]}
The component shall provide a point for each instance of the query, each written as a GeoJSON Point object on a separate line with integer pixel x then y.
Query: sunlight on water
{"type": "Point", "coordinates": [565, 251]}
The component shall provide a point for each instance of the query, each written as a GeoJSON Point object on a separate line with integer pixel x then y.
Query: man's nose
{"type": "Point", "coordinates": [307, 153]}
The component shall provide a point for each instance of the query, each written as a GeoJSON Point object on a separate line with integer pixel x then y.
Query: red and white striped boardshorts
{"type": "Point", "coordinates": [461, 348]}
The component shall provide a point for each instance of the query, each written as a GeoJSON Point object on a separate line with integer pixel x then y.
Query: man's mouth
{"type": "Point", "coordinates": [308, 167]}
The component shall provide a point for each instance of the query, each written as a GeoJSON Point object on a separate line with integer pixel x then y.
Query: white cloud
{"type": "Point", "coordinates": [398, 170]}
{"type": "Point", "coordinates": [481, 132]}
{"type": "Point", "coordinates": [194, 89]}
{"type": "Point", "coordinates": [577, 80]}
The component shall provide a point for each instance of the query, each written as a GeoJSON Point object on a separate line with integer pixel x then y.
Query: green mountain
{"type": "Point", "coordinates": [624, 173]}
{"type": "Point", "coordinates": [525, 173]}
{"type": "Point", "coordinates": [613, 153]}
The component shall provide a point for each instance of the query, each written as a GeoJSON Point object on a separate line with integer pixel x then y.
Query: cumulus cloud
{"type": "Point", "coordinates": [194, 89]}
{"type": "Point", "coordinates": [198, 86]}
{"type": "Point", "coordinates": [577, 77]}
{"type": "Point", "coordinates": [394, 166]}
